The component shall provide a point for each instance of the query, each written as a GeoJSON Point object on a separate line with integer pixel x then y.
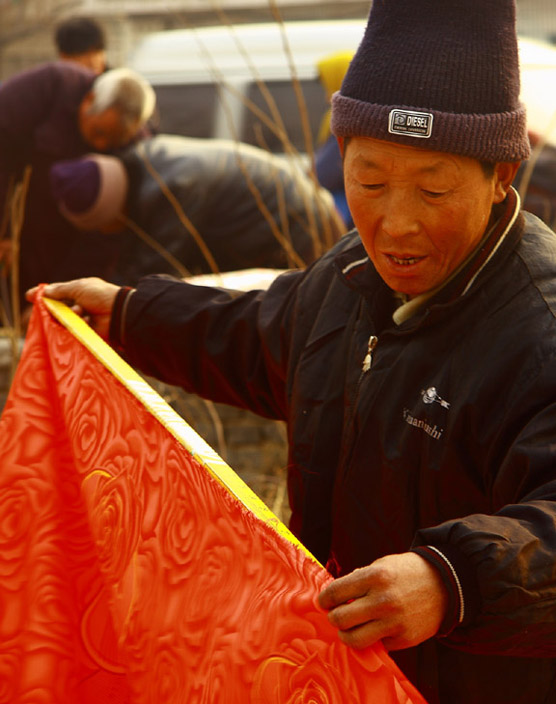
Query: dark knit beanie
{"type": "Point", "coordinates": [437, 74]}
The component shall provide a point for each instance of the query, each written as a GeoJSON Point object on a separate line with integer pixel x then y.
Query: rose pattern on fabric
{"type": "Point", "coordinates": [17, 514]}
{"type": "Point", "coordinates": [316, 672]}
{"type": "Point", "coordinates": [129, 573]}
{"type": "Point", "coordinates": [115, 510]}
{"type": "Point", "coordinates": [11, 659]}
{"type": "Point", "coordinates": [179, 523]}
{"type": "Point", "coordinates": [88, 423]}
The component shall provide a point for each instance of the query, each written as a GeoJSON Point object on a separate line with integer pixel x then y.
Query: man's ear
{"type": "Point", "coordinates": [341, 144]}
{"type": "Point", "coordinates": [504, 174]}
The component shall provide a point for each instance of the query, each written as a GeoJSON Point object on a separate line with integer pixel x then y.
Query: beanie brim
{"type": "Point", "coordinates": [497, 137]}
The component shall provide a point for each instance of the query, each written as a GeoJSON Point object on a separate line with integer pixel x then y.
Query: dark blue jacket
{"type": "Point", "coordinates": [446, 445]}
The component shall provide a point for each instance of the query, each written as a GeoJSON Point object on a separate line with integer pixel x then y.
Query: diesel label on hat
{"type": "Point", "coordinates": [411, 124]}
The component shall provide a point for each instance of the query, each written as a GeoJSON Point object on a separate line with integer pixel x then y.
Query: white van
{"type": "Point", "coordinates": [212, 81]}
{"type": "Point", "coordinates": [209, 81]}
{"type": "Point", "coordinates": [538, 86]}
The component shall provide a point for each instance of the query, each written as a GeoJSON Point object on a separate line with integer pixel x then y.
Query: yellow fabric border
{"type": "Point", "coordinates": [166, 415]}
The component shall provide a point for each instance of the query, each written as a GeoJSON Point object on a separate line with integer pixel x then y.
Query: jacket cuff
{"type": "Point", "coordinates": [117, 318]}
{"type": "Point", "coordinates": [458, 576]}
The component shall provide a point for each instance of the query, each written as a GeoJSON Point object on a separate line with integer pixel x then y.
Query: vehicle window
{"type": "Point", "coordinates": [187, 110]}
{"type": "Point", "coordinates": [284, 95]}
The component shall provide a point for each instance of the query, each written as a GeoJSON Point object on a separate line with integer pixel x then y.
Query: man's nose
{"type": "Point", "coordinates": [400, 215]}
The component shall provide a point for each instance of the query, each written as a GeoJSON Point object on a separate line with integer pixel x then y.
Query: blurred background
{"type": "Point", "coordinates": [184, 66]}
{"type": "Point", "coordinates": [26, 26]}
{"type": "Point", "coordinates": [252, 71]}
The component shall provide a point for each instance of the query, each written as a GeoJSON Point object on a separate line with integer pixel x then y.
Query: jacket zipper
{"type": "Point", "coordinates": [365, 367]}
{"type": "Point", "coordinates": [371, 344]}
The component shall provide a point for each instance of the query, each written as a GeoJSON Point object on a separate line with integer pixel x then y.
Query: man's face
{"type": "Point", "coordinates": [103, 131]}
{"type": "Point", "coordinates": [95, 60]}
{"type": "Point", "coordinates": [419, 213]}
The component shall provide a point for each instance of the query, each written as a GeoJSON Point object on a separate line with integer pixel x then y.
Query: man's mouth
{"type": "Point", "coordinates": [404, 261]}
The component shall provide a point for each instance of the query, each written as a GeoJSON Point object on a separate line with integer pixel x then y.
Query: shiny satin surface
{"type": "Point", "coordinates": [134, 565]}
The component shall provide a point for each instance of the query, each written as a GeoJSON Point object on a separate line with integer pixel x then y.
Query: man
{"type": "Point", "coordinates": [415, 363]}
{"type": "Point", "coordinates": [59, 111]}
{"type": "Point", "coordinates": [81, 39]}
{"type": "Point", "coordinates": [211, 205]}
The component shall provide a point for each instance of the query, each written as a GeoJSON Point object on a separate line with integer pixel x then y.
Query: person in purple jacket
{"type": "Point", "coordinates": [54, 111]}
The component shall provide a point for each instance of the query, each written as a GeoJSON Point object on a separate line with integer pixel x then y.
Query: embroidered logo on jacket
{"type": "Point", "coordinates": [433, 430]}
{"type": "Point", "coordinates": [410, 123]}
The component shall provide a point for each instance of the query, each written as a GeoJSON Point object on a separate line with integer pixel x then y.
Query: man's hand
{"type": "Point", "coordinates": [92, 298]}
{"type": "Point", "coordinates": [398, 599]}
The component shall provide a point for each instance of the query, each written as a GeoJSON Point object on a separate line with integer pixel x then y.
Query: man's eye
{"type": "Point", "coordinates": [372, 186]}
{"type": "Point", "coordinates": [434, 194]}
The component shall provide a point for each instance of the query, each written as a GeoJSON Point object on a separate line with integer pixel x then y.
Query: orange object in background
{"type": "Point", "coordinates": [136, 567]}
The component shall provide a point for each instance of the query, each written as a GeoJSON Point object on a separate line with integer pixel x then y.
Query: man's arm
{"type": "Point", "coordinates": [228, 346]}
{"type": "Point", "coordinates": [502, 596]}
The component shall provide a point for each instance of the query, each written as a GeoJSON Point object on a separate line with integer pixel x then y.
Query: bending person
{"type": "Point", "coordinates": [212, 205]}
{"type": "Point", "coordinates": [55, 111]}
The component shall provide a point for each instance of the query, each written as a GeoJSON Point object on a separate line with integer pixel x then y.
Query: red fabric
{"type": "Point", "coordinates": [129, 574]}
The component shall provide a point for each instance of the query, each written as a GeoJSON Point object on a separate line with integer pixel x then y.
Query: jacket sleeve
{"type": "Point", "coordinates": [227, 346]}
{"type": "Point", "coordinates": [504, 564]}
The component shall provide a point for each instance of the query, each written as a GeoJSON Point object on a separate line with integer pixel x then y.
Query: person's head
{"type": "Point", "coordinates": [119, 103]}
{"type": "Point", "coordinates": [91, 192]}
{"type": "Point", "coordinates": [432, 132]}
{"type": "Point", "coordinates": [81, 39]}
